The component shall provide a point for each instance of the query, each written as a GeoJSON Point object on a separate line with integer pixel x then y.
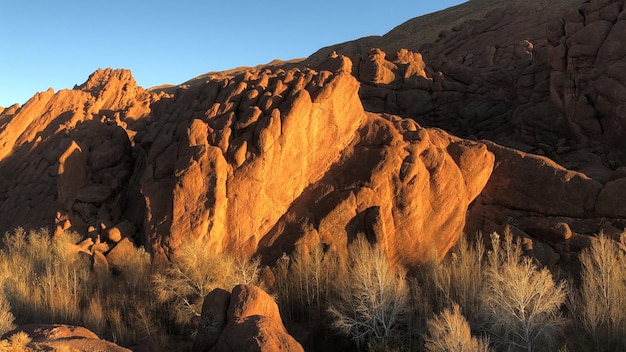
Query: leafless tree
{"type": "Point", "coordinates": [371, 299]}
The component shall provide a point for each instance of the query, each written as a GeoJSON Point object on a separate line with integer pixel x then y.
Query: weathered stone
{"type": "Point", "coordinates": [245, 320]}
{"type": "Point", "coordinates": [212, 320]}
{"type": "Point", "coordinates": [119, 255]}
{"type": "Point", "coordinates": [612, 200]}
{"type": "Point", "coordinates": [58, 337]}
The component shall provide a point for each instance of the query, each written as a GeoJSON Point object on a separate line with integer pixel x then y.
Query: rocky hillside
{"type": "Point", "coordinates": [514, 116]}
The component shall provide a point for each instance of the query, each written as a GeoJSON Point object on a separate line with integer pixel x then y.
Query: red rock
{"type": "Point", "coordinates": [396, 181]}
{"type": "Point", "coordinates": [58, 337]}
{"type": "Point", "coordinates": [119, 255]}
{"type": "Point", "coordinates": [212, 321]}
{"type": "Point", "coordinates": [121, 230]}
{"type": "Point", "coordinates": [256, 333]}
{"type": "Point", "coordinates": [248, 301]}
{"type": "Point", "coordinates": [246, 320]}
{"type": "Point", "coordinates": [610, 203]}
{"type": "Point", "coordinates": [72, 172]}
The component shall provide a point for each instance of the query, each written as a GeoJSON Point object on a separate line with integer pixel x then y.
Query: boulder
{"type": "Point", "coordinates": [213, 320]}
{"type": "Point", "coordinates": [119, 255]}
{"type": "Point", "coordinates": [59, 337]}
{"type": "Point", "coordinates": [245, 320]}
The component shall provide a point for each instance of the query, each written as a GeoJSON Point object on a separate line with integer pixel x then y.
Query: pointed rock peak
{"type": "Point", "coordinates": [103, 77]}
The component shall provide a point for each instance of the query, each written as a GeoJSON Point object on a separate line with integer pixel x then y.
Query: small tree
{"type": "Point", "coordinates": [450, 332]}
{"type": "Point", "coordinates": [303, 282]}
{"type": "Point", "coordinates": [371, 299]}
{"type": "Point", "coordinates": [458, 279]}
{"type": "Point", "coordinates": [196, 271]}
{"type": "Point", "coordinates": [599, 304]}
{"type": "Point", "coordinates": [521, 302]}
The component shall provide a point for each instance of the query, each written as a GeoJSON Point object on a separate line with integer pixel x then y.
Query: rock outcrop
{"type": "Point", "coordinates": [227, 162]}
{"type": "Point", "coordinates": [266, 159]}
{"type": "Point", "coordinates": [58, 337]}
{"type": "Point", "coordinates": [588, 78]}
{"type": "Point", "coordinates": [245, 320]}
{"type": "Point", "coordinates": [545, 84]}
{"type": "Point", "coordinates": [66, 158]}
{"type": "Point", "coordinates": [400, 185]}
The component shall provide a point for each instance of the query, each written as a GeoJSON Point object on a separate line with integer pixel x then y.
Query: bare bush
{"type": "Point", "coordinates": [521, 302]}
{"type": "Point", "coordinates": [371, 300]}
{"type": "Point", "coordinates": [303, 282]}
{"type": "Point", "coordinates": [599, 304]}
{"type": "Point", "coordinates": [450, 332]}
{"type": "Point", "coordinates": [196, 271]}
{"type": "Point", "coordinates": [458, 279]}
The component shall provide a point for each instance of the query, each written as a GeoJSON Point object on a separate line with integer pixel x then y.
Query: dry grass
{"type": "Point", "coordinates": [44, 282]}
{"type": "Point", "coordinates": [6, 317]}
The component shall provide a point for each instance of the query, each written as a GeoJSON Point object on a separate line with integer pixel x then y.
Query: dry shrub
{"type": "Point", "coordinates": [371, 301]}
{"type": "Point", "coordinates": [599, 304]}
{"type": "Point", "coordinates": [450, 332]}
{"type": "Point", "coordinates": [45, 282]}
{"type": "Point", "coordinates": [303, 282]}
{"type": "Point", "coordinates": [459, 278]}
{"type": "Point", "coordinates": [521, 302]}
{"type": "Point", "coordinates": [17, 342]}
{"type": "Point", "coordinates": [196, 271]}
{"type": "Point", "coordinates": [6, 317]}
{"type": "Point", "coordinates": [42, 280]}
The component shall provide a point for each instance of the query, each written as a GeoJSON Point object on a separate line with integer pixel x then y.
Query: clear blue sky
{"type": "Point", "coordinates": [58, 43]}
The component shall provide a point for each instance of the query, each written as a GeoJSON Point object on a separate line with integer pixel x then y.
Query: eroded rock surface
{"type": "Point", "coordinates": [400, 185]}
{"type": "Point", "coordinates": [262, 160]}
{"type": "Point", "coordinates": [224, 162]}
{"type": "Point", "coordinates": [545, 82]}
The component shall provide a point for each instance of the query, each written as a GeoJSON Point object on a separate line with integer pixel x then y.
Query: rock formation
{"type": "Point", "coordinates": [401, 185]}
{"type": "Point", "coordinates": [266, 159]}
{"type": "Point", "coordinates": [228, 162]}
{"type": "Point", "coordinates": [545, 84]}
{"type": "Point", "coordinates": [58, 337]}
{"type": "Point", "coordinates": [245, 320]}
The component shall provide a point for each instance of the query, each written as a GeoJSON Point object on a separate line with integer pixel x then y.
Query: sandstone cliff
{"type": "Point", "coordinates": [359, 141]}
{"type": "Point", "coordinates": [259, 160]}
{"type": "Point", "coordinates": [544, 81]}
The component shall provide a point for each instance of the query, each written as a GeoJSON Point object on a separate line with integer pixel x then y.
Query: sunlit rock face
{"type": "Point", "coordinates": [261, 160]}
{"type": "Point", "coordinates": [543, 84]}
{"type": "Point", "coordinates": [515, 115]}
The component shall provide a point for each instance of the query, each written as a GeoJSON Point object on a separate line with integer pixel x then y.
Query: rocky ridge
{"type": "Point", "coordinates": [543, 84]}
{"type": "Point", "coordinates": [266, 159]}
{"type": "Point", "coordinates": [227, 163]}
